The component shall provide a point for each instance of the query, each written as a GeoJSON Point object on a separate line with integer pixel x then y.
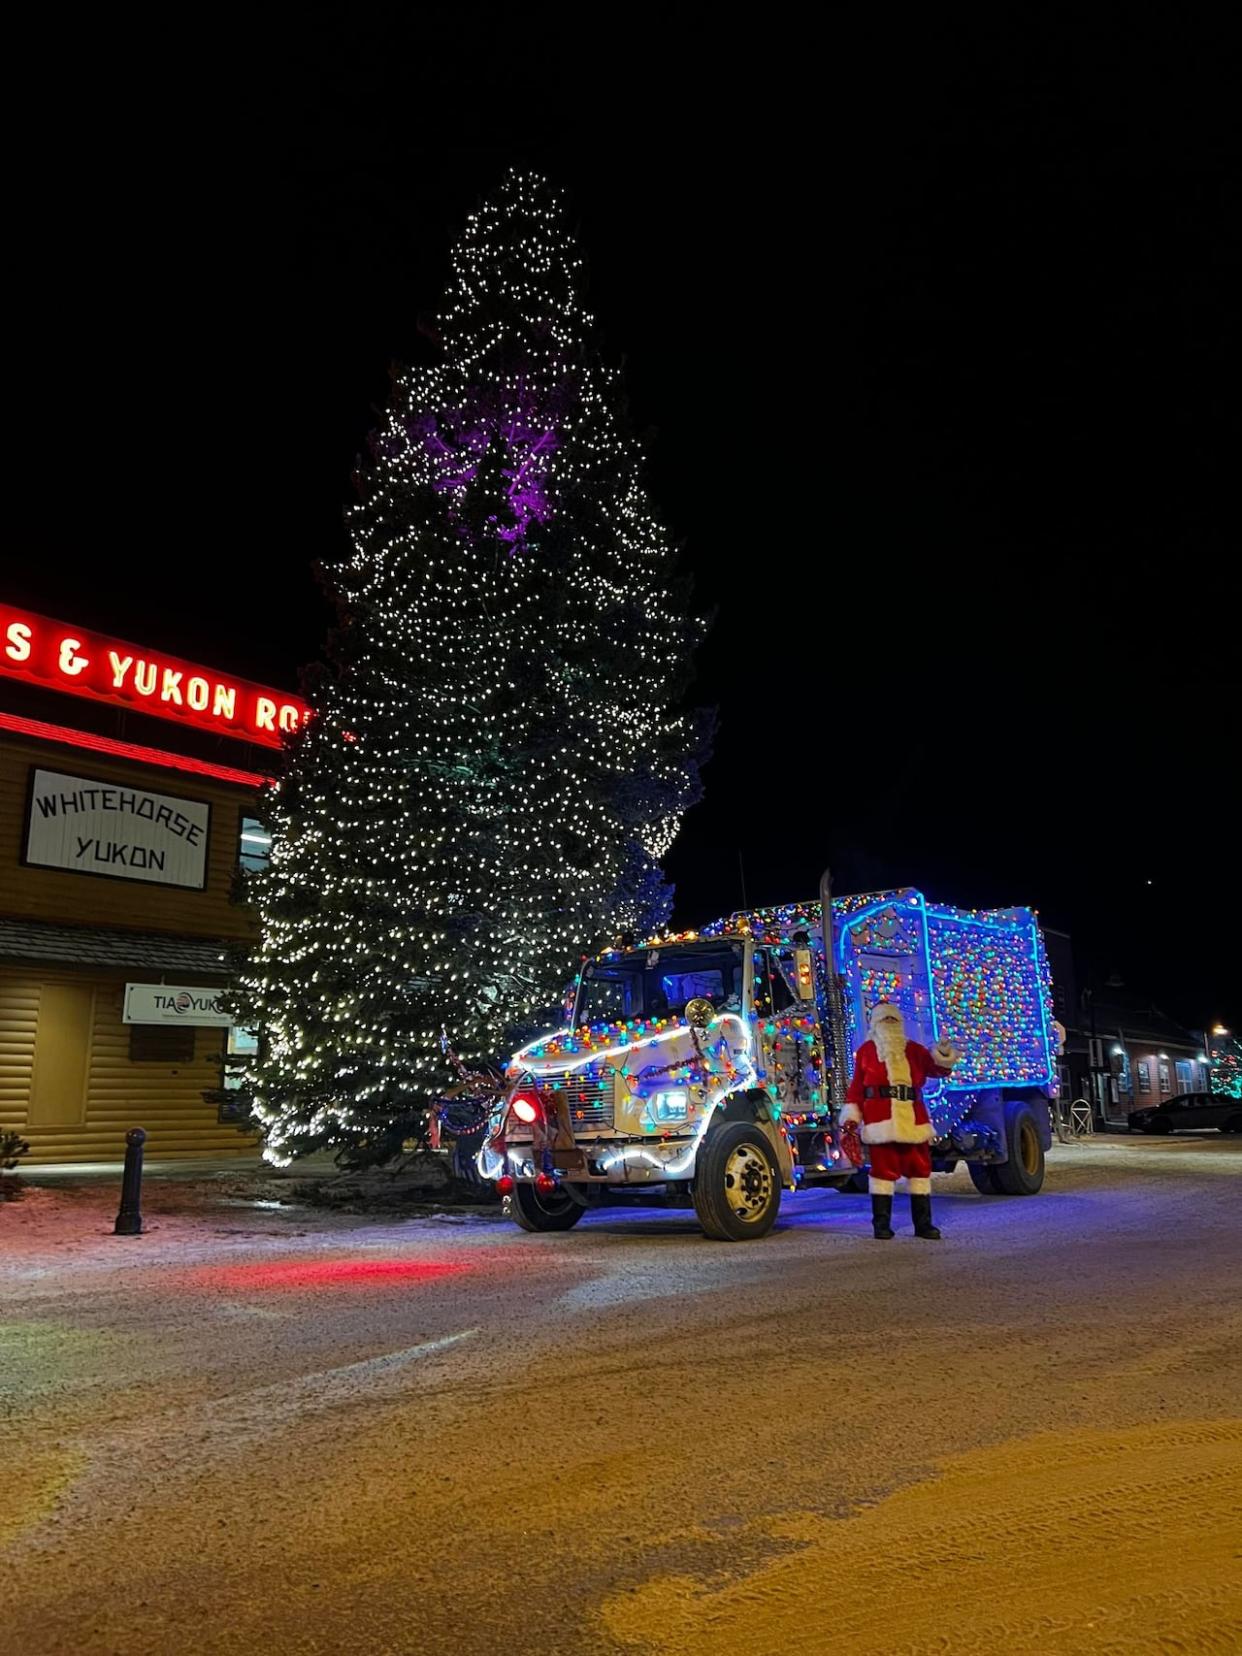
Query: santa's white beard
{"type": "Point", "coordinates": [890, 1044]}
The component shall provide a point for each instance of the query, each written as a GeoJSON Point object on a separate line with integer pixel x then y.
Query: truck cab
{"type": "Point", "coordinates": [697, 1068]}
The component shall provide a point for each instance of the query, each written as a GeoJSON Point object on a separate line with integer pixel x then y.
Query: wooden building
{"type": "Point", "coordinates": [128, 782]}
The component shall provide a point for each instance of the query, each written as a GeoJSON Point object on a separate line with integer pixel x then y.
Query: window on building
{"type": "Point", "coordinates": [235, 1111]}
{"type": "Point", "coordinates": [255, 845]}
{"type": "Point", "coordinates": [1144, 1078]}
{"type": "Point", "coordinates": [161, 1043]}
{"type": "Point", "coordinates": [241, 1043]}
{"type": "Point", "coordinates": [1185, 1075]}
{"type": "Point", "coordinates": [1164, 1079]}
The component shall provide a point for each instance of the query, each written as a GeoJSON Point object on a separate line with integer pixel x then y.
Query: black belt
{"type": "Point", "coordinates": [889, 1092]}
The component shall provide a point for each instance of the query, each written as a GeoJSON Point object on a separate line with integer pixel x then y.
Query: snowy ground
{"type": "Point", "coordinates": [273, 1428]}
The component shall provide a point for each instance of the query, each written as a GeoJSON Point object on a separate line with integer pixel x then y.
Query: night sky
{"type": "Point", "coordinates": [929, 337]}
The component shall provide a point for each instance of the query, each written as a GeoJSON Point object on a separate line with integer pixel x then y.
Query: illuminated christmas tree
{"type": "Point", "coordinates": [498, 761]}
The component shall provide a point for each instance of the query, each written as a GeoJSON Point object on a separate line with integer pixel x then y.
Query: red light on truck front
{"type": "Point", "coordinates": [504, 1185]}
{"type": "Point", "coordinates": [525, 1107]}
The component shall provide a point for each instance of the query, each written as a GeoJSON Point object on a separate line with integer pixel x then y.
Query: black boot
{"type": "Point", "coordinates": [881, 1218]}
{"type": "Point", "coordinates": [920, 1212]}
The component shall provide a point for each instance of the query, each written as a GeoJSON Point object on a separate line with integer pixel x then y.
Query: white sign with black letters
{"type": "Point", "coordinates": [165, 1003]}
{"type": "Point", "coordinates": [125, 833]}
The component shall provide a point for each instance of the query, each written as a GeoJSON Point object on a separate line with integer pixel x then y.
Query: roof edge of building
{"type": "Point", "coordinates": [45, 942]}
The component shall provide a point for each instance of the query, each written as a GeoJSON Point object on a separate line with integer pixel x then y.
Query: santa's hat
{"type": "Point", "coordinates": [884, 1009]}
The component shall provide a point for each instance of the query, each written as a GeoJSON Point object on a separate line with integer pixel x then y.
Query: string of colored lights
{"type": "Point", "coordinates": [706, 1068]}
{"type": "Point", "coordinates": [1225, 1063]}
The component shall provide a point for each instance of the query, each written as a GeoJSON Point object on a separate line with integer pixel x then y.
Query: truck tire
{"type": "Point", "coordinates": [737, 1188]}
{"type": "Point", "coordinates": [1023, 1173]}
{"type": "Point", "coordinates": [857, 1184]}
{"type": "Point", "coordinates": [533, 1212]}
{"type": "Point", "coordinates": [983, 1177]}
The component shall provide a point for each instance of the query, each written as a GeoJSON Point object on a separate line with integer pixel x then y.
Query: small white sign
{"type": "Point", "coordinates": [124, 833]}
{"type": "Point", "coordinates": [171, 1003]}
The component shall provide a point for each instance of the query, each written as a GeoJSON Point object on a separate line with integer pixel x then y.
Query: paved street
{"type": "Point", "coordinates": [268, 1430]}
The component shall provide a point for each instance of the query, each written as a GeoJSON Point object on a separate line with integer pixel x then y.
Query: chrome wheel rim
{"type": "Point", "coordinates": [748, 1183]}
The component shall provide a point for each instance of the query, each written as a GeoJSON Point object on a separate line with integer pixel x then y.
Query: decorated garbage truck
{"type": "Point", "coordinates": [710, 1068]}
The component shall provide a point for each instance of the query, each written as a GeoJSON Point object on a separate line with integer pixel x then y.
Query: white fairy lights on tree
{"type": "Point", "coordinates": [497, 761]}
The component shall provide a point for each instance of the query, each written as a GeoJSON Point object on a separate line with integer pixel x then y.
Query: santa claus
{"type": "Point", "coordinates": [885, 1101]}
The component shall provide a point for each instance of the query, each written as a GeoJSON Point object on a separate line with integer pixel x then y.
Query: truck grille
{"type": "Point", "coordinates": [590, 1102]}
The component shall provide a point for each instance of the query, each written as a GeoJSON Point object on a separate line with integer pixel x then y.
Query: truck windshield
{"type": "Point", "coordinates": [657, 983]}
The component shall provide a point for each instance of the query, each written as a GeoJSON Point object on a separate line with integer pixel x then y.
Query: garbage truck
{"type": "Point", "coordinates": [709, 1068]}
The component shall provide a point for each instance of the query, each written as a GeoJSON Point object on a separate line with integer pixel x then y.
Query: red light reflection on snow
{"type": "Point", "coordinates": [324, 1273]}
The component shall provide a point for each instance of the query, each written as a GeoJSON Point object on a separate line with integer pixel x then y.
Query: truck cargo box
{"type": "Point", "coordinates": [976, 977]}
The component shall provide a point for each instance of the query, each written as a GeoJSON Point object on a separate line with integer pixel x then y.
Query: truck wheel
{"type": "Point", "coordinates": [557, 1212]}
{"type": "Point", "coordinates": [983, 1177]}
{"type": "Point", "coordinates": [737, 1189]}
{"type": "Point", "coordinates": [1023, 1173]}
{"type": "Point", "coordinates": [856, 1185]}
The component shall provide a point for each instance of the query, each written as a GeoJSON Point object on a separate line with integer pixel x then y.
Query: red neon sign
{"type": "Point", "coordinates": [41, 731]}
{"type": "Point", "coordinates": [56, 656]}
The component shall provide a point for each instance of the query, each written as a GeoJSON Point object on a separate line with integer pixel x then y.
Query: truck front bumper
{"type": "Point", "coordinates": [610, 1161]}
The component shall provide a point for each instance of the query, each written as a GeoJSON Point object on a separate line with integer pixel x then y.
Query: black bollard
{"type": "Point", "coordinates": [129, 1219]}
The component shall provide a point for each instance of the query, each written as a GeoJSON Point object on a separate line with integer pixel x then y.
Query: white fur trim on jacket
{"type": "Point", "coordinates": [851, 1112]}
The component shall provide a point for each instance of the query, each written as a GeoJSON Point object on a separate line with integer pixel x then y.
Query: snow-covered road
{"type": "Point", "coordinates": [284, 1430]}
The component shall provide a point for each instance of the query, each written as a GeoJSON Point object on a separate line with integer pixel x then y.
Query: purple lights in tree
{"type": "Point", "coordinates": [515, 377]}
{"type": "Point", "coordinates": [457, 447]}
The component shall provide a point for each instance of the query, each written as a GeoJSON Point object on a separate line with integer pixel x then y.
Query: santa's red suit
{"type": "Point", "coordinates": [885, 1099]}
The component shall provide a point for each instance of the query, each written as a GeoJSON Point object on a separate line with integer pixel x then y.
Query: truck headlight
{"type": "Point", "coordinates": [668, 1106]}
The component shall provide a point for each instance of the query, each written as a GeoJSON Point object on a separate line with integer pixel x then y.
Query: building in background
{"type": "Point", "coordinates": [128, 783]}
{"type": "Point", "coordinates": [1136, 1055]}
{"type": "Point", "coordinates": [1121, 1051]}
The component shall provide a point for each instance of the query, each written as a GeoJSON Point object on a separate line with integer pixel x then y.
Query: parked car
{"type": "Point", "coordinates": [1189, 1110]}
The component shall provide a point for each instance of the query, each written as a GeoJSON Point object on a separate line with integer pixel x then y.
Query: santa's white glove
{"type": "Point", "coordinates": [946, 1054]}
